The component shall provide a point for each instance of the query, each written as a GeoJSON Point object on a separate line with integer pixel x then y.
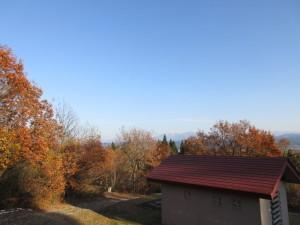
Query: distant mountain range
{"type": "Point", "coordinates": [294, 139]}
{"type": "Point", "coordinates": [178, 137]}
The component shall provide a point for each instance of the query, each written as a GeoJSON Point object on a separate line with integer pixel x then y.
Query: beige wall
{"type": "Point", "coordinates": [284, 207]}
{"type": "Point", "coordinates": [265, 208]}
{"type": "Point", "coordinates": [265, 211]}
{"type": "Point", "coordinates": [193, 206]}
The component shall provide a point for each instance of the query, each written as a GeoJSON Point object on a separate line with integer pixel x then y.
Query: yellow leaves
{"type": "Point", "coordinates": [4, 153]}
{"type": "Point", "coordinates": [8, 149]}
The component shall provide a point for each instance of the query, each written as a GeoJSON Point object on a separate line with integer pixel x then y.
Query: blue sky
{"type": "Point", "coordinates": [165, 66]}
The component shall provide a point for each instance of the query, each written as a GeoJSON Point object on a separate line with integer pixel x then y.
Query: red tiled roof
{"type": "Point", "coordinates": [258, 175]}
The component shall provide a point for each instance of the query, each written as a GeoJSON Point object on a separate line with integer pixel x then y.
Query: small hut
{"type": "Point", "coordinates": [215, 190]}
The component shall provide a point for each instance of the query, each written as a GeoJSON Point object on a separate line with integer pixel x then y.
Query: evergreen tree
{"type": "Point", "coordinates": [173, 147]}
{"type": "Point", "coordinates": [113, 146]}
{"type": "Point", "coordinates": [182, 147]}
{"type": "Point", "coordinates": [165, 141]}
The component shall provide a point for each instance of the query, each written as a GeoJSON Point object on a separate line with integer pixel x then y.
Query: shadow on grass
{"type": "Point", "coordinates": [133, 211]}
{"type": "Point", "coordinates": [36, 218]}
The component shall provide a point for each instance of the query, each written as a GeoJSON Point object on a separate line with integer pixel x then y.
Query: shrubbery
{"type": "Point", "coordinates": [33, 185]}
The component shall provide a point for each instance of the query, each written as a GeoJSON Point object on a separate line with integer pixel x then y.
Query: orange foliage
{"type": "Point", "coordinates": [241, 139]}
{"type": "Point", "coordinates": [155, 156]}
{"type": "Point", "coordinates": [23, 112]}
{"type": "Point", "coordinates": [70, 156]}
{"type": "Point", "coordinates": [32, 128]}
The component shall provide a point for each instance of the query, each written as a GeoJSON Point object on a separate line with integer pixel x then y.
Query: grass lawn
{"type": "Point", "coordinates": [84, 217]}
{"type": "Point", "coordinates": [114, 209]}
{"type": "Point", "coordinates": [133, 212]}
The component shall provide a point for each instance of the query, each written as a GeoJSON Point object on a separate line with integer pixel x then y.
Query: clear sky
{"type": "Point", "coordinates": [167, 66]}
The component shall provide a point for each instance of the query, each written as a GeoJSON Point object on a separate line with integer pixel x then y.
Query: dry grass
{"type": "Point", "coordinates": [122, 196]}
{"type": "Point", "coordinates": [114, 209]}
{"type": "Point", "coordinates": [133, 212]}
{"type": "Point", "coordinates": [80, 217]}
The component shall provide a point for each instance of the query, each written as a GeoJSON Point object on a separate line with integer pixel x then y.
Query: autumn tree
{"type": "Point", "coordinates": [89, 162]}
{"type": "Point", "coordinates": [196, 145]}
{"type": "Point", "coordinates": [23, 112]}
{"type": "Point", "coordinates": [91, 156]}
{"type": "Point", "coordinates": [236, 139]}
{"type": "Point", "coordinates": [88, 167]}
{"type": "Point", "coordinates": [70, 152]}
{"type": "Point", "coordinates": [110, 169]}
{"type": "Point", "coordinates": [29, 131]}
{"type": "Point", "coordinates": [283, 144]}
{"type": "Point", "coordinates": [69, 122]}
{"type": "Point", "coordinates": [158, 154]}
{"type": "Point", "coordinates": [70, 144]}
{"type": "Point", "coordinates": [8, 150]}
{"type": "Point", "coordinates": [19, 99]}
{"type": "Point", "coordinates": [135, 147]}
